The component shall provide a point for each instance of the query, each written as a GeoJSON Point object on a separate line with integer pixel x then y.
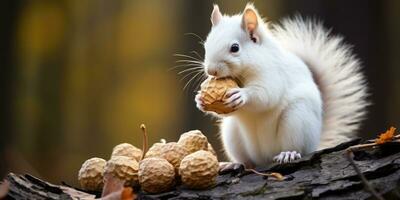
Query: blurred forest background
{"type": "Point", "coordinates": [79, 77]}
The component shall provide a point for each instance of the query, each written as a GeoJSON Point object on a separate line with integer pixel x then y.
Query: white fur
{"type": "Point", "coordinates": [279, 107]}
{"type": "Point", "coordinates": [337, 73]}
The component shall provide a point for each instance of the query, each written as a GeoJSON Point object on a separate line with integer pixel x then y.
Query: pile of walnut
{"type": "Point", "coordinates": [191, 161]}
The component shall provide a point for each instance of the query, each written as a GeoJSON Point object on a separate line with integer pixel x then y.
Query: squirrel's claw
{"type": "Point", "coordinates": [199, 102]}
{"type": "Point", "coordinates": [236, 98]}
{"type": "Point", "coordinates": [287, 157]}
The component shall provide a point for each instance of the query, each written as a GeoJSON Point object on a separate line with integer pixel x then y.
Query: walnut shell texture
{"type": "Point", "coordinates": [156, 175]}
{"type": "Point", "coordinates": [155, 150]}
{"type": "Point", "coordinates": [128, 150]}
{"type": "Point", "coordinates": [199, 170]}
{"type": "Point", "coordinates": [174, 153]}
{"type": "Point", "coordinates": [124, 168]}
{"type": "Point", "coordinates": [193, 141]}
{"type": "Point", "coordinates": [213, 92]}
{"type": "Point", "coordinates": [90, 175]}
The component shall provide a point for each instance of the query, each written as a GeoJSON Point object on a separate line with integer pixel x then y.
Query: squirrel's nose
{"type": "Point", "coordinates": [212, 72]}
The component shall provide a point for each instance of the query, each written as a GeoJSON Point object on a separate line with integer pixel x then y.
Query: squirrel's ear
{"type": "Point", "coordinates": [216, 15]}
{"type": "Point", "coordinates": [250, 22]}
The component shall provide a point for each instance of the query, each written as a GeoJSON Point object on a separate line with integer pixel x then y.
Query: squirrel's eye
{"type": "Point", "coordinates": [235, 48]}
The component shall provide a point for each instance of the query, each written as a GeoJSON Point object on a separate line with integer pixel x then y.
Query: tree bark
{"type": "Point", "coordinates": [326, 174]}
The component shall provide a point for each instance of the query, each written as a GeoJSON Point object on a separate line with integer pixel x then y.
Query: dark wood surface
{"type": "Point", "coordinates": [326, 174]}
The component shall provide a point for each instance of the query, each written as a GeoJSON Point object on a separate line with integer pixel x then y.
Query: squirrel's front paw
{"type": "Point", "coordinates": [236, 98]}
{"type": "Point", "coordinates": [287, 157]}
{"type": "Point", "coordinates": [199, 102]}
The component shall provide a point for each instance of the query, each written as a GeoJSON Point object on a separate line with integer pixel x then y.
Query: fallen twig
{"type": "Point", "coordinates": [350, 155]}
{"type": "Point", "coordinates": [276, 175]}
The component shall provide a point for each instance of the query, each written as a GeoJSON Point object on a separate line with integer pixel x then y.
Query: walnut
{"type": "Point", "coordinates": [128, 150]}
{"type": "Point", "coordinates": [213, 94]}
{"type": "Point", "coordinates": [173, 153]}
{"type": "Point", "coordinates": [199, 170]}
{"type": "Point", "coordinates": [193, 141]}
{"type": "Point", "coordinates": [124, 168]}
{"type": "Point", "coordinates": [91, 174]}
{"type": "Point", "coordinates": [155, 149]}
{"type": "Point", "coordinates": [156, 175]}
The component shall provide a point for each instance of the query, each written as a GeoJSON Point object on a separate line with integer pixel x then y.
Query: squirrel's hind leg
{"type": "Point", "coordinates": [299, 131]}
{"type": "Point", "coordinates": [232, 141]}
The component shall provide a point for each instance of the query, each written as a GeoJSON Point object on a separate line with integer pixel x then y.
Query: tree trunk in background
{"type": "Point", "coordinates": [391, 51]}
{"type": "Point", "coordinates": [196, 17]}
{"type": "Point", "coordinates": [9, 18]}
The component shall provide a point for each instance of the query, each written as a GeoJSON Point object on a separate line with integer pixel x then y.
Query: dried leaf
{"type": "Point", "coordinates": [111, 184]}
{"type": "Point", "coordinates": [125, 193]}
{"type": "Point", "coordinates": [128, 194]}
{"type": "Point", "coordinates": [278, 176]}
{"type": "Point", "coordinates": [4, 188]}
{"type": "Point", "coordinates": [114, 189]}
{"type": "Point", "coordinates": [386, 137]}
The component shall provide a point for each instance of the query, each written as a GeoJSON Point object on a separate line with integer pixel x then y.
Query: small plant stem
{"type": "Point", "coordinates": [144, 144]}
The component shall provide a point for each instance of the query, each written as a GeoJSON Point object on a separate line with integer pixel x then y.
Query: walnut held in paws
{"type": "Point", "coordinates": [199, 170]}
{"type": "Point", "coordinates": [91, 174]}
{"type": "Point", "coordinates": [213, 94]}
{"type": "Point", "coordinates": [156, 175]}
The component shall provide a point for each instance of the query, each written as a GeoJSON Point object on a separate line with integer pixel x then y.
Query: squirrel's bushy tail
{"type": "Point", "coordinates": [336, 72]}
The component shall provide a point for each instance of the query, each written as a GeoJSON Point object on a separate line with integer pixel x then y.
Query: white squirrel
{"type": "Point", "coordinates": [302, 88]}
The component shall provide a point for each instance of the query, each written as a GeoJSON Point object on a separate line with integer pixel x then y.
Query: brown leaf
{"type": "Point", "coordinates": [125, 193]}
{"type": "Point", "coordinates": [4, 188]}
{"type": "Point", "coordinates": [278, 176]}
{"type": "Point", "coordinates": [114, 189]}
{"type": "Point", "coordinates": [386, 137]}
{"type": "Point", "coordinates": [111, 184]}
{"type": "Point", "coordinates": [128, 194]}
